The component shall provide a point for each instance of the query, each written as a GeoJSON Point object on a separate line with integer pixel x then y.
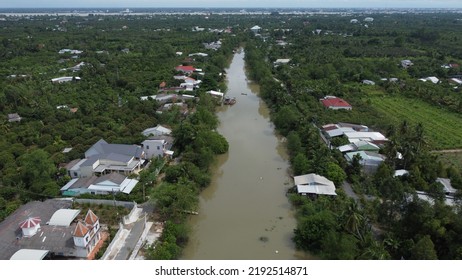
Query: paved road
{"type": "Point", "coordinates": [131, 240]}
{"type": "Point", "coordinates": [349, 191]}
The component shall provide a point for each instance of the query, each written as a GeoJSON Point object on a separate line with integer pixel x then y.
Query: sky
{"type": "Point", "coordinates": [231, 3]}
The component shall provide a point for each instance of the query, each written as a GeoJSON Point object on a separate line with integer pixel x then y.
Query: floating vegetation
{"type": "Point", "coordinates": [263, 239]}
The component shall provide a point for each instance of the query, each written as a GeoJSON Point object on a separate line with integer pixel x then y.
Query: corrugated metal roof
{"type": "Point", "coordinates": [63, 217]}
{"type": "Point", "coordinates": [29, 254]}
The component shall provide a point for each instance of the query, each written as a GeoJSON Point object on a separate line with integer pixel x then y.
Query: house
{"type": "Point", "coordinates": [65, 79]}
{"type": "Point", "coordinates": [360, 145]}
{"type": "Point", "coordinates": [185, 69]}
{"type": "Point", "coordinates": [450, 65]}
{"type": "Point", "coordinates": [69, 51]}
{"type": "Point", "coordinates": [14, 117]}
{"type": "Point", "coordinates": [280, 61]}
{"type": "Point", "coordinates": [198, 54]}
{"type": "Point", "coordinates": [105, 184]}
{"type": "Point", "coordinates": [400, 172]}
{"type": "Point", "coordinates": [161, 98]}
{"type": "Point", "coordinates": [406, 63]}
{"type": "Point", "coordinates": [197, 29]}
{"type": "Point", "coordinates": [49, 229]}
{"type": "Point", "coordinates": [158, 146]}
{"type": "Point", "coordinates": [455, 81]}
{"type": "Point", "coordinates": [86, 234]}
{"type": "Point", "coordinates": [216, 94]}
{"type": "Point", "coordinates": [103, 158]}
{"type": "Point", "coordinates": [374, 137]}
{"type": "Point", "coordinates": [213, 46]}
{"type": "Point", "coordinates": [256, 29]}
{"type": "Point", "coordinates": [335, 103]}
{"type": "Point", "coordinates": [314, 184]}
{"type": "Point", "coordinates": [448, 200]}
{"type": "Point", "coordinates": [369, 19]}
{"type": "Point", "coordinates": [179, 53]}
{"type": "Point", "coordinates": [369, 160]}
{"type": "Point", "coordinates": [432, 79]}
{"type": "Point", "coordinates": [354, 21]}
{"type": "Point", "coordinates": [75, 68]}
{"type": "Point", "coordinates": [156, 131]}
{"type": "Point", "coordinates": [368, 82]}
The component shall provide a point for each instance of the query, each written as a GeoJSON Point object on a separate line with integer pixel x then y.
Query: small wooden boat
{"type": "Point", "coordinates": [229, 101]}
{"type": "Point", "coordinates": [243, 93]}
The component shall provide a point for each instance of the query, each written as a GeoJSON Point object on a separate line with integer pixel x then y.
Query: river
{"type": "Point", "coordinates": [244, 214]}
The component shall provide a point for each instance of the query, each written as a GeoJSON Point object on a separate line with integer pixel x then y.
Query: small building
{"type": "Point", "coordinates": [69, 51]}
{"type": "Point", "coordinates": [360, 145]}
{"type": "Point", "coordinates": [280, 61]}
{"type": "Point", "coordinates": [156, 131]}
{"type": "Point", "coordinates": [354, 21]}
{"type": "Point", "coordinates": [14, 117]}
{"type": "Point", "coordinates": [105, 184]}
{"type": "Point", "coordinates": [432, 79]}
{"type": "Point", "coordinates": [314, 184]}
{"type": "Point", "coordinates": [198, 54]}
{"type": "Point", "coordinates": [335, 103]}
{"type": "Point", "coordinates": [368, 82]}
{"type": "Point", "coordinates": [369, 19]}
{"type": "Point", "coordinates": [216, 94]}
{"type": "Point", "coordinates": [61, 80]}
{"type": "Point", "coordinates": [185, 69]}
{"type": "Point", "coordinates": [30, 226]}
{"type": "Point", "coordinates": [400, 172]}
{"type": "Point", "coordinates": [370, 136]}
{"type": "Point", "coordinates": [406, 63]}
{"type": "Point", "coordinates": [158, 146]}
{"type": "Point", "coordinates": [256, 29]}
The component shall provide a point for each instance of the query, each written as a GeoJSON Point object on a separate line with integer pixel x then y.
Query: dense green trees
{"type": "Point", "coordinates": [105, 103]}
{"type": "Point", "coordinates": [332, 57]}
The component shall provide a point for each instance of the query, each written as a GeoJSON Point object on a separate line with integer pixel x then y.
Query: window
{"type": "Point", "coordinates": [75, 174]}
{"type": "Point", "coordinates": [147, 147]}
{"type": "Point", "coordinates": [158, 147]}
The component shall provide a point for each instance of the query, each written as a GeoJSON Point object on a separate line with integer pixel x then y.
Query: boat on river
{"type": "Point", "coordinates": [229, 100]}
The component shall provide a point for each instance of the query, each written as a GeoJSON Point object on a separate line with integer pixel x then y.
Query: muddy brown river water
{"type": "Point", "coordinates": [244, 214]}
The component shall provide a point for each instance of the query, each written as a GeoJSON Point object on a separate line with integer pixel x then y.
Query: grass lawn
{"type": "Point", "coordinates": [451, 159]}
{"type": "Point", "coordinates": [443, 129]}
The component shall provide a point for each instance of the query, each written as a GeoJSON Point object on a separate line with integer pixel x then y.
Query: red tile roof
{"type": "Point", "coordinates": [80, 230]}
{"type": "Point", "coordinates": [185, 68]}
{"type": "Point", "coordinates": [335, 102]}
{"type": "Point", "coordinates": [30, 222]}
{"type": "Point", "coordinates": [91, 218]}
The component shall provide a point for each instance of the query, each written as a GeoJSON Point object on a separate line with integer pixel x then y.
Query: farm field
{"type": "Point", "coordinates": [443, 129]}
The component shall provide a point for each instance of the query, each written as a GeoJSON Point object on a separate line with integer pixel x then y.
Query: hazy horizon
{"type": "Point", "coordinates": [233, 4]}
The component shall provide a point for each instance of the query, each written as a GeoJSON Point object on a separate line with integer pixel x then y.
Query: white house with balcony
{"type": "Point", "coordinates": [158, 146]}
{"type": "Point", "coordinates": [86, 235]}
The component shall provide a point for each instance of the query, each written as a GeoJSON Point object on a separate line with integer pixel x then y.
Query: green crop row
{"type": "Point", "coordinates": [443, 129]}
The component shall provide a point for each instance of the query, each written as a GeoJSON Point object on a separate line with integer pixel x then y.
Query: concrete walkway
{"type": "Point", "coordinates": [349, 191]}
